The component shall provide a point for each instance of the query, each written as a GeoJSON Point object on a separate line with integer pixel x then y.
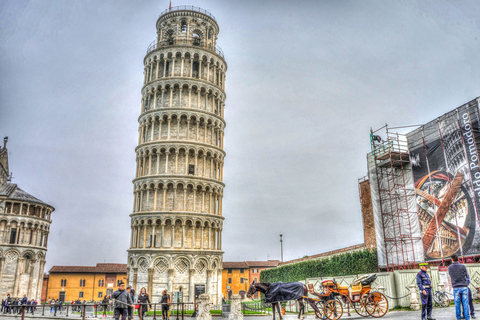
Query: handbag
{"type": "Point", "coordinates": [137, 306]}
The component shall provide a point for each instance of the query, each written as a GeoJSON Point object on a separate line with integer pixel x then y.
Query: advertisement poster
{"type": "Point", "coordinates": [444, 159]}
{"type": "Point", "coordinates": [444, 279]}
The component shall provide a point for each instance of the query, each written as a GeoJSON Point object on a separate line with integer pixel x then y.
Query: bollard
{"type": "Point", "coordinates": [204, 307]}
{"type": "Point", "coordinates": [155, 312]}
{"type": "Point", "coordinates": [23, 313]}
{"type": "Point", "coordinates": [83, 313]}
{"type": "Point", "coordinates": [236, 308]}
{"type": "Point", "coordinates": [413, 298]}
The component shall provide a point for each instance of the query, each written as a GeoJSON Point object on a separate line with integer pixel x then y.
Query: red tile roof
{"type": "Point", "coordinates": [99, 268]}
{"type": "Point", "coordinates": [327, 254]}
{"type": "Point", "coordinates": [235, 265]}
{"type": "Point", "coordinates": [260, 264]}
{"type": "Point", "coordinates": [250, 264]}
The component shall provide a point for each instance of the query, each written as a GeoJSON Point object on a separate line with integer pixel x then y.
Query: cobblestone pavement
{"type": "Point", "coordinates": [438, 313]}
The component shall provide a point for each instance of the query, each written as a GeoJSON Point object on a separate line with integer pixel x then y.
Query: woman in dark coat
{"type": "Point", "coordinates": [165, 304]}
{"type": "Point", "coordinates": [143, 299]}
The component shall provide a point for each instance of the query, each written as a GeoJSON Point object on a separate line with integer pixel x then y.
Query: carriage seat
{"type": "Point", "coordinates": [342, 287]}
{"type": "Point", "coordinates": [356, 289]}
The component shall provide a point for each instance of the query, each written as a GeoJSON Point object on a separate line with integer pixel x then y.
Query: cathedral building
{"type": "Point", "coordinates": [24, 228]}
{"type": "Point", "coordinates": [176, 223]}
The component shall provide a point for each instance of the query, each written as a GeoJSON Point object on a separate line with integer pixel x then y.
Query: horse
{"type": "Point", "coordinates": [264, 287]}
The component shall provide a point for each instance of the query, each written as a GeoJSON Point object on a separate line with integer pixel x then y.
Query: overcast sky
{"type": "Point", "coordinates": [306, 81]}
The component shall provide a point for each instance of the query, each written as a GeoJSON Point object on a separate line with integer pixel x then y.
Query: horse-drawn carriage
{"type": "Point", "coordinates": [331, 301]}
{"type": "Point", "coordinates": [358, 296]}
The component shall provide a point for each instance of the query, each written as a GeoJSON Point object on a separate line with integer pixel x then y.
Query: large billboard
{"type": "Point", "coordinates": [445, 166]}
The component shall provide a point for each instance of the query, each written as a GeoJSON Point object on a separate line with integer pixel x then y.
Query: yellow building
{"type": "Point", "coordinates": [237, 276]}
{"type": "Point", "coordinates": [69, 283]}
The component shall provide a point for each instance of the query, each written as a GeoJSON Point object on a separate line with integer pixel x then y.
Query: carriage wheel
{"type": "Point", "coordinates": [319, 313]}
{"type": "Point", "coordinates": [333, 309]}
{"type": "Point", "coordinates": [376, 304]}
{"type": "Point", "coordinates": [360, 309]}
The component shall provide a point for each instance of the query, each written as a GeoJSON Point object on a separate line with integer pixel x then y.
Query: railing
{"type": "Point", "coordinates": [191, 8]}
{"type": "Point", "coordinates": [177, 311]}
{"type": "Point", "coordinates": [183, 42]}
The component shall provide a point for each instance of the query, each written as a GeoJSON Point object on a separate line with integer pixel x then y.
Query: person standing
{"type": "Point", "coordinates": [24, 303]}
{"type": "Point", "coordinates": [122, 300]}
{"type": "Point", "coordinates": [459, 275]}
{"type": "Point", "coordinates": [425, 286]}
{"type": "Point", "coordinates": [144, 301]}
{"type": "Point", "coordinates": [165, 301]}
{"type": "Point", "coordinates": [131, 291]}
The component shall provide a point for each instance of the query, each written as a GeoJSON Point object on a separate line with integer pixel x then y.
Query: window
{"type": "Point", "coordinates": [167, 68]}
{"type": "Point", "coordinates": [118, 282]}
{"type": "Point", "coordinates": [210, 33]}
{"type": "Point", "coordinates": [80, 294]}
{"type": "Point", "coordinates": [196, 39]}
{"type": "Point", "coordinates": [195, 68]}
{"type": "Point", "coordinates": [13, 235]}
{"type": "Point", "coordinates": [241, 280]}
{"type": "Point", "coordinates": [229, 270]}
{"type": "Point", "coordinates": [184, 26]}
{"type": "Point", "coordinates": [101, 282]}
{"type": "Point", "coordinates": [82, 283]}
{"type": "Point", "coordinates": [229, 280]}
{"type": "Point", "coordinates": [255, 271]}
{"type": "Point", "coordinates": [63, 283]}
{"type": "Point", "coordinates": [191, 169]}
{"type": "Point", "coordinates": [242, 270]}
{"type": "Point", "coordinates": [100, 294]}
{"type": "Point", "coordinates": [26, 264]}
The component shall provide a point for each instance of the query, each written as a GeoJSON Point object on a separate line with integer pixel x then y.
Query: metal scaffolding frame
{"type": "Point", "coordinates": [392, 166]}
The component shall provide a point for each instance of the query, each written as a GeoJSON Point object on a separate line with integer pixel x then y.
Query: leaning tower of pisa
{"type": "Point", "coordinates": [176, 223]}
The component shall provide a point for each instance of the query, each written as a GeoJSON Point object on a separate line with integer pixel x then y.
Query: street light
{"type": "Point", "coordinates": [281, 247]}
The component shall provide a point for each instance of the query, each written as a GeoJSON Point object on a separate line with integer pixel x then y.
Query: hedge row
{"type": "Point", "coordinates": [340, 265]}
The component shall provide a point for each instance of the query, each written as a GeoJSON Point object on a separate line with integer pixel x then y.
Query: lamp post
{"type": "Point", "coordinates": [281, 247]}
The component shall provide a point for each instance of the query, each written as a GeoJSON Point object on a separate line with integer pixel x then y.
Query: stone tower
{"type": "Point", "coordinates": [177, 213]}
{"type": "Point", "coordinates": [24, 228]}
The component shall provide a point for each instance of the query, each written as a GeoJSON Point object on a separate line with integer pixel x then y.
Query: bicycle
{"type": "Point", "coordinates": [440, 299]}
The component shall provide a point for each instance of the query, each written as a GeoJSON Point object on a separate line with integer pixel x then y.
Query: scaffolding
{"type": "Point", "coordinates": [396, 199]}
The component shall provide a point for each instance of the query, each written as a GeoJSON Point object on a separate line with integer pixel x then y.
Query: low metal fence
{"type": "Point", "coordinates": [176, 311]}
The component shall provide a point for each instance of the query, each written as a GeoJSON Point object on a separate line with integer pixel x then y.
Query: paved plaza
{"type": "Point", "coordinates": [438, 313]}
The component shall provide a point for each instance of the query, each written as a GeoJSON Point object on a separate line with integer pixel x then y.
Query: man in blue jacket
{"type": "Point", "coordinates": [459, 275]}
{"type": "Point", "coordinates": [425, 286]}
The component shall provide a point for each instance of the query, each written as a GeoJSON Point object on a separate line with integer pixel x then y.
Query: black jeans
{"type": "Point", "coordinates": [120, 312]}
{"type": "Point", "coordinates": [165, 312]}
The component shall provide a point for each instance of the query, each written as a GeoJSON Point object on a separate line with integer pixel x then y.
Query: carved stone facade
{"type": "Point", "coordinates": [24, 228]}
{"type": "Point", "coordinates": [178, 187]}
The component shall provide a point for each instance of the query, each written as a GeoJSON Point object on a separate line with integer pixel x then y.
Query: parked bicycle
{"type": "Point", "coordinates": [441, 299]}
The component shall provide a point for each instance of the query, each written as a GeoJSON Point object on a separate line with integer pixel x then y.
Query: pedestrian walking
{"type": "Point", "coordinates": [459, 276]}
{"type": "Point", "coordinates": [195, 307]}
{"type": "Point", "coordinates": [144, 301]}
{"type": "Point", "coordinates": [425, 286]}
{"type": "Point", "coordinates": [52, 305]}
{"type": "Point", "coordinates": [122, 300]}
{"type": "Point", "coordinates": [165, 301]}
{"type": "Point", "coordinates": [105, 305]}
